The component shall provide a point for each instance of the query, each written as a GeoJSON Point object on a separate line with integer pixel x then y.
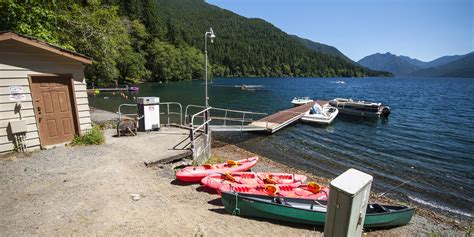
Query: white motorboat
{"type": "Point", "coordinates": [301, 100]}
{"type": "Point", "coordinates": [360, 107]}
{"type": "Point", "coordinates": [320, 114]}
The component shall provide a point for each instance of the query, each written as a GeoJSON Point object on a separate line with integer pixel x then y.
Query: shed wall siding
{"type": "Point", "coordinates": [17, 62]}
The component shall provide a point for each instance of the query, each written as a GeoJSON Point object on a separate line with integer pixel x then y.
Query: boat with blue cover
{"type": "Point", "coordinates": [320, 113]}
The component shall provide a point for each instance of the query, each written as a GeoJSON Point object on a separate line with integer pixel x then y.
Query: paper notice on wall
{"type": "Point", "coordinates": [15, 89]}
{"type": "Point", "coordinates": [18, 97]}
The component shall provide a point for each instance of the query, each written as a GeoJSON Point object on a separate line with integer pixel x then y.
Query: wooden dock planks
{"type": "Point", "coordinates": [271, 123]}
{"type": "Point", "coordinates": [284, 118]}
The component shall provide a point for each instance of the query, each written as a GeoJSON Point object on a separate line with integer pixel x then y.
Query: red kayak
{"type": "Point", "coordinates": [196, 173]}
{"type": "Point", "coordinates": [307, 191]}
{"type": "Point", "coordinates": [224, 182]}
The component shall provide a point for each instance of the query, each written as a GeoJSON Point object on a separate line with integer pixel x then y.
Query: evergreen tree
{"type": "Point", "coordinates": [132, 40]}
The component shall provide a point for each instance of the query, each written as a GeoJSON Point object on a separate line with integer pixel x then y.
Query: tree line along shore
{"type": "Point", "coordinates": [162, 40]}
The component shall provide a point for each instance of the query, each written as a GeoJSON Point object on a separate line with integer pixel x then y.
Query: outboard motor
{"type": "Point", "coordinates": [385, 112]}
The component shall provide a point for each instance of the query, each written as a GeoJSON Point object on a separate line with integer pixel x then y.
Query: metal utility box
{"type": "Point", "coordinates": [348, 197]}
{"type": "Point", "coordinates": [18, 126]}
{"type": "Point", "coordinates": [149, 110]}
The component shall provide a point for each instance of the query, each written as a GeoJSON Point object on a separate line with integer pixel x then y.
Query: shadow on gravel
{"type": "Point", "coordinates": [181, 183]}
{"type": "Point", "coordinates": [379, 228]}
{"type": "Point", "coordinates": [216, 202]}
{"type": "Point", "coordinates": [206, 190]}
{"type": "Point", "coordinates": [283, 223]}
{"type": "Point", "coordinates": [219, 210]}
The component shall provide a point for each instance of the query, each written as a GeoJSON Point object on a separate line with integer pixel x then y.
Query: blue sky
{"type": "Point", "coordinates": [424, 29]}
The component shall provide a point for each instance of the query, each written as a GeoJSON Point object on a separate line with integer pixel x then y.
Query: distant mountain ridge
{"type": "Point", "coordinates": [446, 66]}
{"type": "Point", "coordinates": [390, 63]}
{"type": "Point", "coordinates": [463, 67]}
{"type": "Point", "coordinates": [443, 60]}
{"type": "Point", "coordinates": [321, 48]}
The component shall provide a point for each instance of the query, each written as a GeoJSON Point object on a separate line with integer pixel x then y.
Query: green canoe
{"type": "Point", "coordinates": [307, 211]}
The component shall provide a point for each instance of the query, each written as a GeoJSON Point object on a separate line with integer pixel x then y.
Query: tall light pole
{"type": "Point", "coordinates": [210, 34]}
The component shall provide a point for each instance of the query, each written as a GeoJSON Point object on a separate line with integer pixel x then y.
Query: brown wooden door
{"type": "Point", "coordinates": [52, 101]}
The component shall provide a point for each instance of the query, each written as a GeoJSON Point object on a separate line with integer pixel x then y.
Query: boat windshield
{"type": "Point", "coordinates": [316, 109]}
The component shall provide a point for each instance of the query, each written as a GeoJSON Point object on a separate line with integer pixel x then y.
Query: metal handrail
{"type": "Point", "coordinates": [232, 119]}
{"type": "Point", "coordinates": [187, 109]}
{"type": "Point", "coordinates": [243, 120]}
{"type": "Point", "coordinates": [120, 114]}
{"type": "Point", "coordinates": [240, 111]}
{"type": "Point", "coordinates": [221, 109]}
{"type": "Point", "coordinates": [201, 112]}
{"type": "Point", "coordinates": [167, 113]}
{"type": "Point", "coordinates": [193, 130]}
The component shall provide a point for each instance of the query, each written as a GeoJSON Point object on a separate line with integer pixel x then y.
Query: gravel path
{"type": "Point", "coordinates": [101, 116]}
{"type": "Point", "coordinates": [89, 191]}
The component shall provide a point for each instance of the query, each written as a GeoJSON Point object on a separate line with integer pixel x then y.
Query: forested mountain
{"type": "Point", "coordinates": [246, 47]}
{"type": "Point", "coordinates": [446, 66]}
{"type": "Point", "coordinates": [390, 63]}
{"type": "Point", "coordinates": [132, 40]}
{"type": "Point", "coordinates": [463, 67]}
{"type": "Point", "coordinates": [321, 48]}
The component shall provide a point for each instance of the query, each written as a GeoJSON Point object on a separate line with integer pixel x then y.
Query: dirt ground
{"type": "Point", "coordinates": [91, 190]}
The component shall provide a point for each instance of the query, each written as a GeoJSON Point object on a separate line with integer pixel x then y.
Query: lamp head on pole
{"type": "Point", "coordinates": [211, 35]}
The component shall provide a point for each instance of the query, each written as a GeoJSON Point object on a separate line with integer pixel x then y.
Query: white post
{"type": "Point", "coordinates": [348, 198]}
{"type": "Point", "coordinates": [206, 104]}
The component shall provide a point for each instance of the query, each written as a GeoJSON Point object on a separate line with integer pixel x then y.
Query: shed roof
{"type": "Point", "coordinates": [8, 35]}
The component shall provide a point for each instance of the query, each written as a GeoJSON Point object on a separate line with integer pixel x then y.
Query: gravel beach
{"type": "Point", "coordinates": [107, 190]}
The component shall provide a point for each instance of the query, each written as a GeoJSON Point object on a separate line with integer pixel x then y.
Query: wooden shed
{"type": "Point", "coordinates": [43, 86]}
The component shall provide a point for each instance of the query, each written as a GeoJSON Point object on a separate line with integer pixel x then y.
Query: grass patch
{"type": "Point", "coordinates": [107, 125]}
{"type": "Point", "coordinates": [215, 159]}
{"type": "Point", "coordinates": [212, 160]}
{"type": "Point", "coordinates": [92, 137]}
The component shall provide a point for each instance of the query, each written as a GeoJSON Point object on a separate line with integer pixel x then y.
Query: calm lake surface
{"type": "Point", "coordinates": [428, 140]}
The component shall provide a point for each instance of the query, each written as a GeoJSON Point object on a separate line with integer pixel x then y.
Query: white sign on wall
{"type": "Point", "coordinates": [16, 93]}
{"type": "Point", "coordinates": [15, 89]}
{"type": "Point", "coordinates": [17, 97]}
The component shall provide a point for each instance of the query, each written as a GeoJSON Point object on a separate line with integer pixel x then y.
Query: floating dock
{"type": "Point", "coordinates": [281, 119]}
{"type": "Point", "coordinates": [271, 123]}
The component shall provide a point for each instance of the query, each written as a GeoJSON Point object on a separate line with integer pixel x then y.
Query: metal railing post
{"type": "Point", "coordinates": [206, 117]}
{"type": "Point", "coordinates": [168, 112]}
{"type": "Point", "coordinates": [225, 118]}
{"type": "Point", "coordinates": [180, 114]}
{"type": "Point", "coordinates": [120, 114]}
{"type": "Point", "coordinates": [191, 138]}
{"type": "Point", "coordinates": [205, 114]}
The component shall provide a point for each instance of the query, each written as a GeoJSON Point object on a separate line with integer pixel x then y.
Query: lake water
{"type": "Point", "coordinates": [428, 140]}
